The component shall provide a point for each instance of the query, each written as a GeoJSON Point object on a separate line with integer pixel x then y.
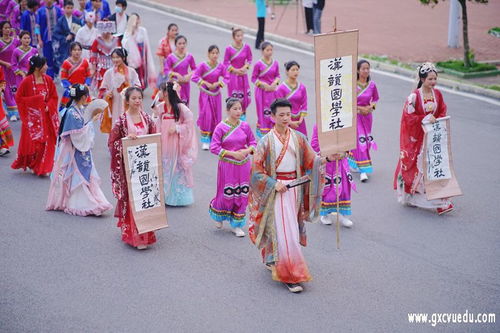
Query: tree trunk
{"type": "Point", "coordinates": [467, 62]}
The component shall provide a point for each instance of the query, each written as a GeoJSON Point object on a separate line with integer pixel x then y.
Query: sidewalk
{"type": "Point", "coordinates": [400, 29]}
{"type": "Point", "coordinates": [381, 40]}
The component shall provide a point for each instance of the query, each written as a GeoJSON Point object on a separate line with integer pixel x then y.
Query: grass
{"type": "Point", "coordinates": [494, 31]}
{"type": "Point", "coordinates": [458, 65]}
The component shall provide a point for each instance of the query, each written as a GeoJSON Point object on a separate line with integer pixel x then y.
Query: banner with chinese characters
{"type": "Point", "coordinates": [143, 169]}
{"type": "Point", "coordinates": [336, 56]}
{"type": "Point", "coordinates": [439, 176]}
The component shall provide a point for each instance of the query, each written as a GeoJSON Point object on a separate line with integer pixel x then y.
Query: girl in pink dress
{"type": "Point", "coordinates": [232, 142]}
{"type": "Point", "coordinates": [237, 59]}
{"type": "Point", "coordinates": [208, 78]}
{"type": "Point", "coordinates": [179, 147]}
{"type": "Point", "coordinates": [266, 77]}
{"type": "Point", "coordinates": [180, 66]}
{"type": "Point", "coordinates": [360, 159]}
{"type": "Point", "coordinates": [296, 93]}
{"type": "Point", "coordinates": [21, 57]}
{"type": "Point", "coordinates": [8, 43]}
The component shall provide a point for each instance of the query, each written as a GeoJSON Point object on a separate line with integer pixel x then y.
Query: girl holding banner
{"type": "Point", "coordinates": [425, 104]}
{"type": "Point", "coordinates": [329, 199]}
{"type": "Point", "coordinates": [233, 142]}
{"type": "Point", "coordinates": [295, 92]}
{"type": "Point", "coordinates": [237, 59]}
{"type": "Point", "coordinates": [75, 184]}
{"type": "Point", "coordinates": [266, 77]}
{"type": "Point", "coordinates": [360, 160]}
{"type": "Point", "coordinates": [179, 146]}
{"type": "Point", "coordinates": [132, 123]}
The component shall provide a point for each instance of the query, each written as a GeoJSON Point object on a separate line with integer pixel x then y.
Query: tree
{"type": "Point", "coordinates": [465, 29]}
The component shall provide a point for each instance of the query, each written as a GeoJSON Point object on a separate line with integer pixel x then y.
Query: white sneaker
{"type": "Point", "coordinates": [345, 221]}
{"type": "Point", "coordinates": [325, 219]}
{"type": "Point", "coordinates": [142, 247]}
{"type": "Point", "coordinates": [13, 118]}
{"type": "Point", "coordinates": [218, 225]}
{"type": "Point", "coordinates": [205, 146]}
{"type": "Point", "coordinates": [4, 151]}
{"type": "Point", "coordinates": [238, 232]}
{"type": "Point", "coordinates": [363, 177]}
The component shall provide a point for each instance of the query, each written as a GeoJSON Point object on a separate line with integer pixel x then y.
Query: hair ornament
{"type": "Point", "coordinates": [72, 92]}
{"type": "Point", "coordinates": [426, 67]}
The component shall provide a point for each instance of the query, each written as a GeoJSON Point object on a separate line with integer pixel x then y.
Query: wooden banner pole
{"type": "Point", "coordinates": [337, 177]}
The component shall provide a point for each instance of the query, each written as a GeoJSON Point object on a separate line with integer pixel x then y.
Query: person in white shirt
{"type": "Point", "coordinates": [87, 34]}
{"type": "Point", "coordinates": [120, 17]}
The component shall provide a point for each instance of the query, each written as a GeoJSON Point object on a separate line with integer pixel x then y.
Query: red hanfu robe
{"type": "Point", "coordinates": [119, 185]}
{"type": "Point", "coordinates": [37, 103]}
{"type": "Point", "coordinates": [412, 135]}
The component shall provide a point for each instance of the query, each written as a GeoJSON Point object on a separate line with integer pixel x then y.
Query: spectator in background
{"type": "Point", "coordinates": [120, 17]}
{"type": "Point", "coordinates": [308, 9]}
{"type": "Point", "coordinates": [28, 20]}
{"type": "Point", "coordinates": [261, 20]}
{"type": "Point", "coordinates": [64, 33]}
{"type": "Point", "coordinates": [100, 7]}
{"type": "Point", "coordinates": [317, 11]}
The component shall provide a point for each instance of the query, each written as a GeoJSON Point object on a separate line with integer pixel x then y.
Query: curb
{"type": "Point", "coordinates": [452, 84]}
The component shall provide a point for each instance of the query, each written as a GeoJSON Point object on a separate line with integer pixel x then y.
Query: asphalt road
{"type": "Point", "coordinates": [60, 273]}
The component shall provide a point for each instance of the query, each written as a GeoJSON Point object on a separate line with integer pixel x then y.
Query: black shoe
{"type": "Point", "coordinates": [294, 287]}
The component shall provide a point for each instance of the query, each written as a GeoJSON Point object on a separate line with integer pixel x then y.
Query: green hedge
{"type": "Point", "coordinates": [458, 65]}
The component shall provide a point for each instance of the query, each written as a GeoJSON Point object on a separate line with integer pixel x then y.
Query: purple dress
{"type": "Point", "coordinates": [263, 72]}
{"type": "Point", "coordinates": [360, 159]}
{"type": "Point", "coordinates": [210, 102]}
{"type": "Point", "coordinates": [233, 176]}
{"type": "Point", "coordinates": [180, 65]}
{"type": "Point", "coordinates": [298, 99]}
{"type": "Point", "coordinates": [21, 62]}
{"type": "Point", "coordinates": [238, 85]}
{"type": "Point", "coordinates": [6, 7]}
{"type": "Point", "coordinates": [6, 50]}
{"type": "Point", "coordinates": [329, 199]}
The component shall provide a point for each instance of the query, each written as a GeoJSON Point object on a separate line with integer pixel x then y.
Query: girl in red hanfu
{"type": "Point", "coordinates": [6, 138]}
{"type": "Point", "coordinates": [424, 104]}
{"type": "Point", "coordinates": [132, 123]}
{"type": "Point", "coordinates": [75, 69]}
{"type": "Point", "coordinates": [37, 102]}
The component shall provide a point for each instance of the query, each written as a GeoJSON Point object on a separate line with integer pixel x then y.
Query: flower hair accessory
{"type": "Point", "coordinates": [426, 67]}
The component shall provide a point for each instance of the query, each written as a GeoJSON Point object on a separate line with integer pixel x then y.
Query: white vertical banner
{"type": "Point", "coordinates": [336, 86]}
{"type": "Point", "coordinates": [438, 162]}
{"type": "Point", "coordinates": [144, 173]}
{"type": "Point", "coordinates": [335, 58]}
{"type": "Point", "coordinates": [143, 164]}
{"type": "Point", "coordinates": [439, 175]}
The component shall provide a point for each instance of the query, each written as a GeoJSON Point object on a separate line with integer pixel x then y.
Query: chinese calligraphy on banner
{"type": "Point", "coordinates": [144, 178]}
{"type": "Point", "coordinates": [335, 58]}
{"type": "Point", "coordinates": [438, 163]}
{"type": "Point", "coordinates": [439, 175]}
{"type": "Point", "coordinates": [143, 168]}
{"type": "Point", "coordinates": [336, 93]}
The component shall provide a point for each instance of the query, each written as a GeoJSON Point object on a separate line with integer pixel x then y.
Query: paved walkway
{"type": "Point", "coordinates": [403, 30]}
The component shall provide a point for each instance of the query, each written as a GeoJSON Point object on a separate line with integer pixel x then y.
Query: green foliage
{"type": "Point", "coordinates": [458, 65]}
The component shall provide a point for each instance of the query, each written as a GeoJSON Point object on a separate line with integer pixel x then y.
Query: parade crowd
{"type": "Point", "coordinates": [95, 54]}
